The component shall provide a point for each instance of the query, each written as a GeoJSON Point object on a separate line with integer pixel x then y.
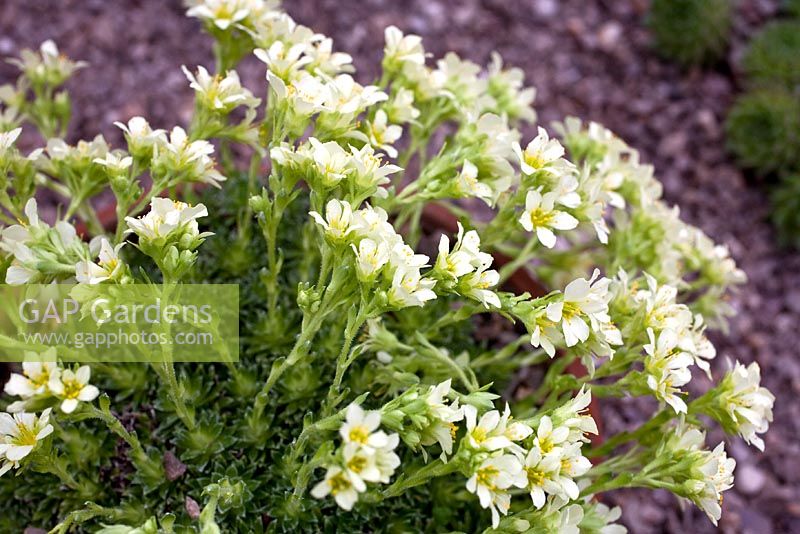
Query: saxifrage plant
{"type": "Point", "coordinates": [363, 400]}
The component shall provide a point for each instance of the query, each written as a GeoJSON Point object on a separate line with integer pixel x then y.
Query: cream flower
{"type": "Point", "coordinates": [409, 288]}
{"type": "Point", "coordinates": [468, 185]}
{"type": "Point", "coordinates": [541, 217]}
{"type": "Point", "coordinates": [361, 427]}
{"type": "Point", "coordinates": [748, 404]}
{"type": "Point", "coordinates": [35, 375]}
{"type": "Point", "coordinates": [667, 368]}
{"type": "Point", "coordinates": [338, 222]}
{"type": "Point", "coordinates": [583, 299]}
{"type": "Point", "coordinates": [342, 485]}
{"type": "Point", "coordinates": [188, 159]}
{"type": "Point", "coordinates": [383, 135]}
{"type": "Point", "coordinates": [165, 217]}
{"type": "Point", "coordinates": [220, 94]}
{"type": "Point", "coordinates": [542, 153]}
{"type": "Point", "coordinates": [73, 387]}
{"type": "Point", "coordinates": [491, 481]}
{"type": "Point", "coordinates": [107, 267]}
{"type": "Point", "coordinates": [370, 258]}
{"type": "Point", "coordinates": [400, 49]}
{"type": "Point", "coordinates": [19, 435]}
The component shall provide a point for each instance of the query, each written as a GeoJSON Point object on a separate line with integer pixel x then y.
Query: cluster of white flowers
{"type": "Point", "coordinates": [549, 466]}
{"type": "Point", "coordinates": [709, 473]}
{"type": "Point", "coordinates": [379, 251]}
{"type": "Point", "coordinates": [168, 219]}
{"type": "Point", "coordinates": [676, 341]}
{"type": "Point", "coordinates": [328, 165]}
{"type": "Point", "coordinates": [47, 67]}
{"type": "Point", "coordinates": [581, 311]}
{"type": "Point", "coordinates": [42, 253]}
{"type": "Point", "coordinates": [366, 455]}
{"type": "Point", "coordinates": [466, 268]}
{"type": "Point", "coordinates": [226, 14]}
{"type": "Point", "coordinates": [747, 404]}
{"type": "Point", "coordinates": [456, 80]}
{"type": "Point", "coordinates": [43, 378]}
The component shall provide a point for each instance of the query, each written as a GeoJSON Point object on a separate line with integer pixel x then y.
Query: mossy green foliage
{"type": "Point", "coordinates": [691, 32]}
{"type": "Point", "coordinates": [763, 130]}
{"type": "Point", "coordinates": [786, 210]}
{"type": "Point", "coordinates": [223, 445]}
{"type": "Point", "coordinates": [773, 56]}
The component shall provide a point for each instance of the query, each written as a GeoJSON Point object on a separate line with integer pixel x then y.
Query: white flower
{"type": "Point", "coordinates": [190, 160]}
{"type": "Point", "coordinates": [140, 136]}
{"type": "Point", "coordinates": [582, 298]}
{"type": "Point", "coordinates": [542, 153]}
{"type": "Point", "coordinates": [221, 13]}
{"type": "Point", "coordinates": [361, 427]}
{"type": "Point", "coordinates": [492, 479]}
{"type": "Point", "coordinates": [485, 433]}
{"type": "Point", "coordinates": [540, 472]}
{"type": "Point", "coordinates": [467, 184]}
{"type": "Point", "coordinates": [409, 288]}
{"type": "Point", "coordinates": [478, 284]}
{"type": "Point", "coordinates": [442, 429]}
{"type": "Point", "coordinates": [7, 139]}
{"type": "Point", "coordinates": [339, 223]}
{"type": "Point", "coordinates": [108, 266]}
{"type": "Point", "coordinates": [548, 437]}
{"type": "Point", "coordinates": [220, 94]}
{"type": "Point", "coordinates": [360, 463]}
{"type": "Point", "coordinates": [465, 257]}
{"type": "Point", "coordinates": [382, 134]}
{"type": "Point", "coordinates": [342, 485]}
{"type": "Point", "coordinates": [368, 170]}
{"type": "Point", "coordinates": [749, 404]}
{"type": "Point", "coordinates": [541, 217]}
{"type": "Point", "coordinates": [401, 48]}
{"type": "Point", "coordinates": [667, 368]}
{"type": "Point", "coordinates": [386, 460]}
{"type": "Point", "coordinates": [284, 59]}
{"type": "Point", "coordinates": [165, 217]}
{"type": "Point", "coordinates": [115, 163]}
{"type": "Point", "coordinates": [35, 375]}
{"type": "Point", "coordinates": [19, 435]}
{"type": "Point", "coordinates": [73, 387]}
{"type": "Point", "coordinates": [574, 415]}
{"type": "Point", "coordinates": [717, 470]}
{"type": "Point", "coordinates": [513, 430]}
{"type": "Point", "coordinates": [662, 310]}
{"type": "Point", "coordinates": [370, 258]}
{"type": "Point", "coordinates": [330, 160]}
{"type": "Point", "coordinates": [401, 107]}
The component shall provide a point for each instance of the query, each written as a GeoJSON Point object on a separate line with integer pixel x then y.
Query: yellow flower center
{"type": "Point", "coordinates": [540, 217]}
{"type": "Point", "coordinates": [570, 310]}
{"type": "Point", "coordinates": [479, 435]}
{"type": "Point", "coordinates": [338, 483]}
{"type": "Point", "coordinates": [40, 380]}
{"type": "Point", "coordinates": [486, 477]}
{"type": "Point", "coordinates": [534, 159]}
{"type": "Point", "coordinates": [357, 464]}
{"type": "Point", "coordinates": [546, 445]}
{"type": "Point", "coordinates": [25, 436]}
{"type": "Point", "coordinates": [359, 434]}
{"type": "Point", "coordinates": [535, 476]}
{"type": "Point", "coordinates": [72, 388]}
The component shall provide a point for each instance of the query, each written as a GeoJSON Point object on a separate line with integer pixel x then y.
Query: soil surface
{"type": "Point", "coordinates": [590, 58]}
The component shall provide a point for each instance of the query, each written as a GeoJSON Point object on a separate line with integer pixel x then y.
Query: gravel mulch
{"type": "Point", "coordinates": [592, 59]}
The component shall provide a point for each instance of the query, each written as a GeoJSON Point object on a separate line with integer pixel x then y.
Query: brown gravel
{"type": "Point", "coordinates": [588, 58]}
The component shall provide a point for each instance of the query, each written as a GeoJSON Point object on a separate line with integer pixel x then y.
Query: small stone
{"type": "Point", "coordinates": [750, 480]}
{"type": "Point", "coordinates": [608, 36]}
{"type": "Point", "coordinates": [545, 8]}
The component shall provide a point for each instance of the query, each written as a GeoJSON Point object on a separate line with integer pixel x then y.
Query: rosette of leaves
{"type": "Point", "coordinates": [691, 32]}
{"type": "Point", "coordinates": [773, 56]}
{"type": "Point", "coordinates": [786, 209]}
{"type": "Point", "coordinates": [763, 130]}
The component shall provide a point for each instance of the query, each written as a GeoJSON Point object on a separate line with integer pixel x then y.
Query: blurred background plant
{"type": "Point", "coordinates": [763, 126]}
{"type": "Point", "coordinates": [691, 32]}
